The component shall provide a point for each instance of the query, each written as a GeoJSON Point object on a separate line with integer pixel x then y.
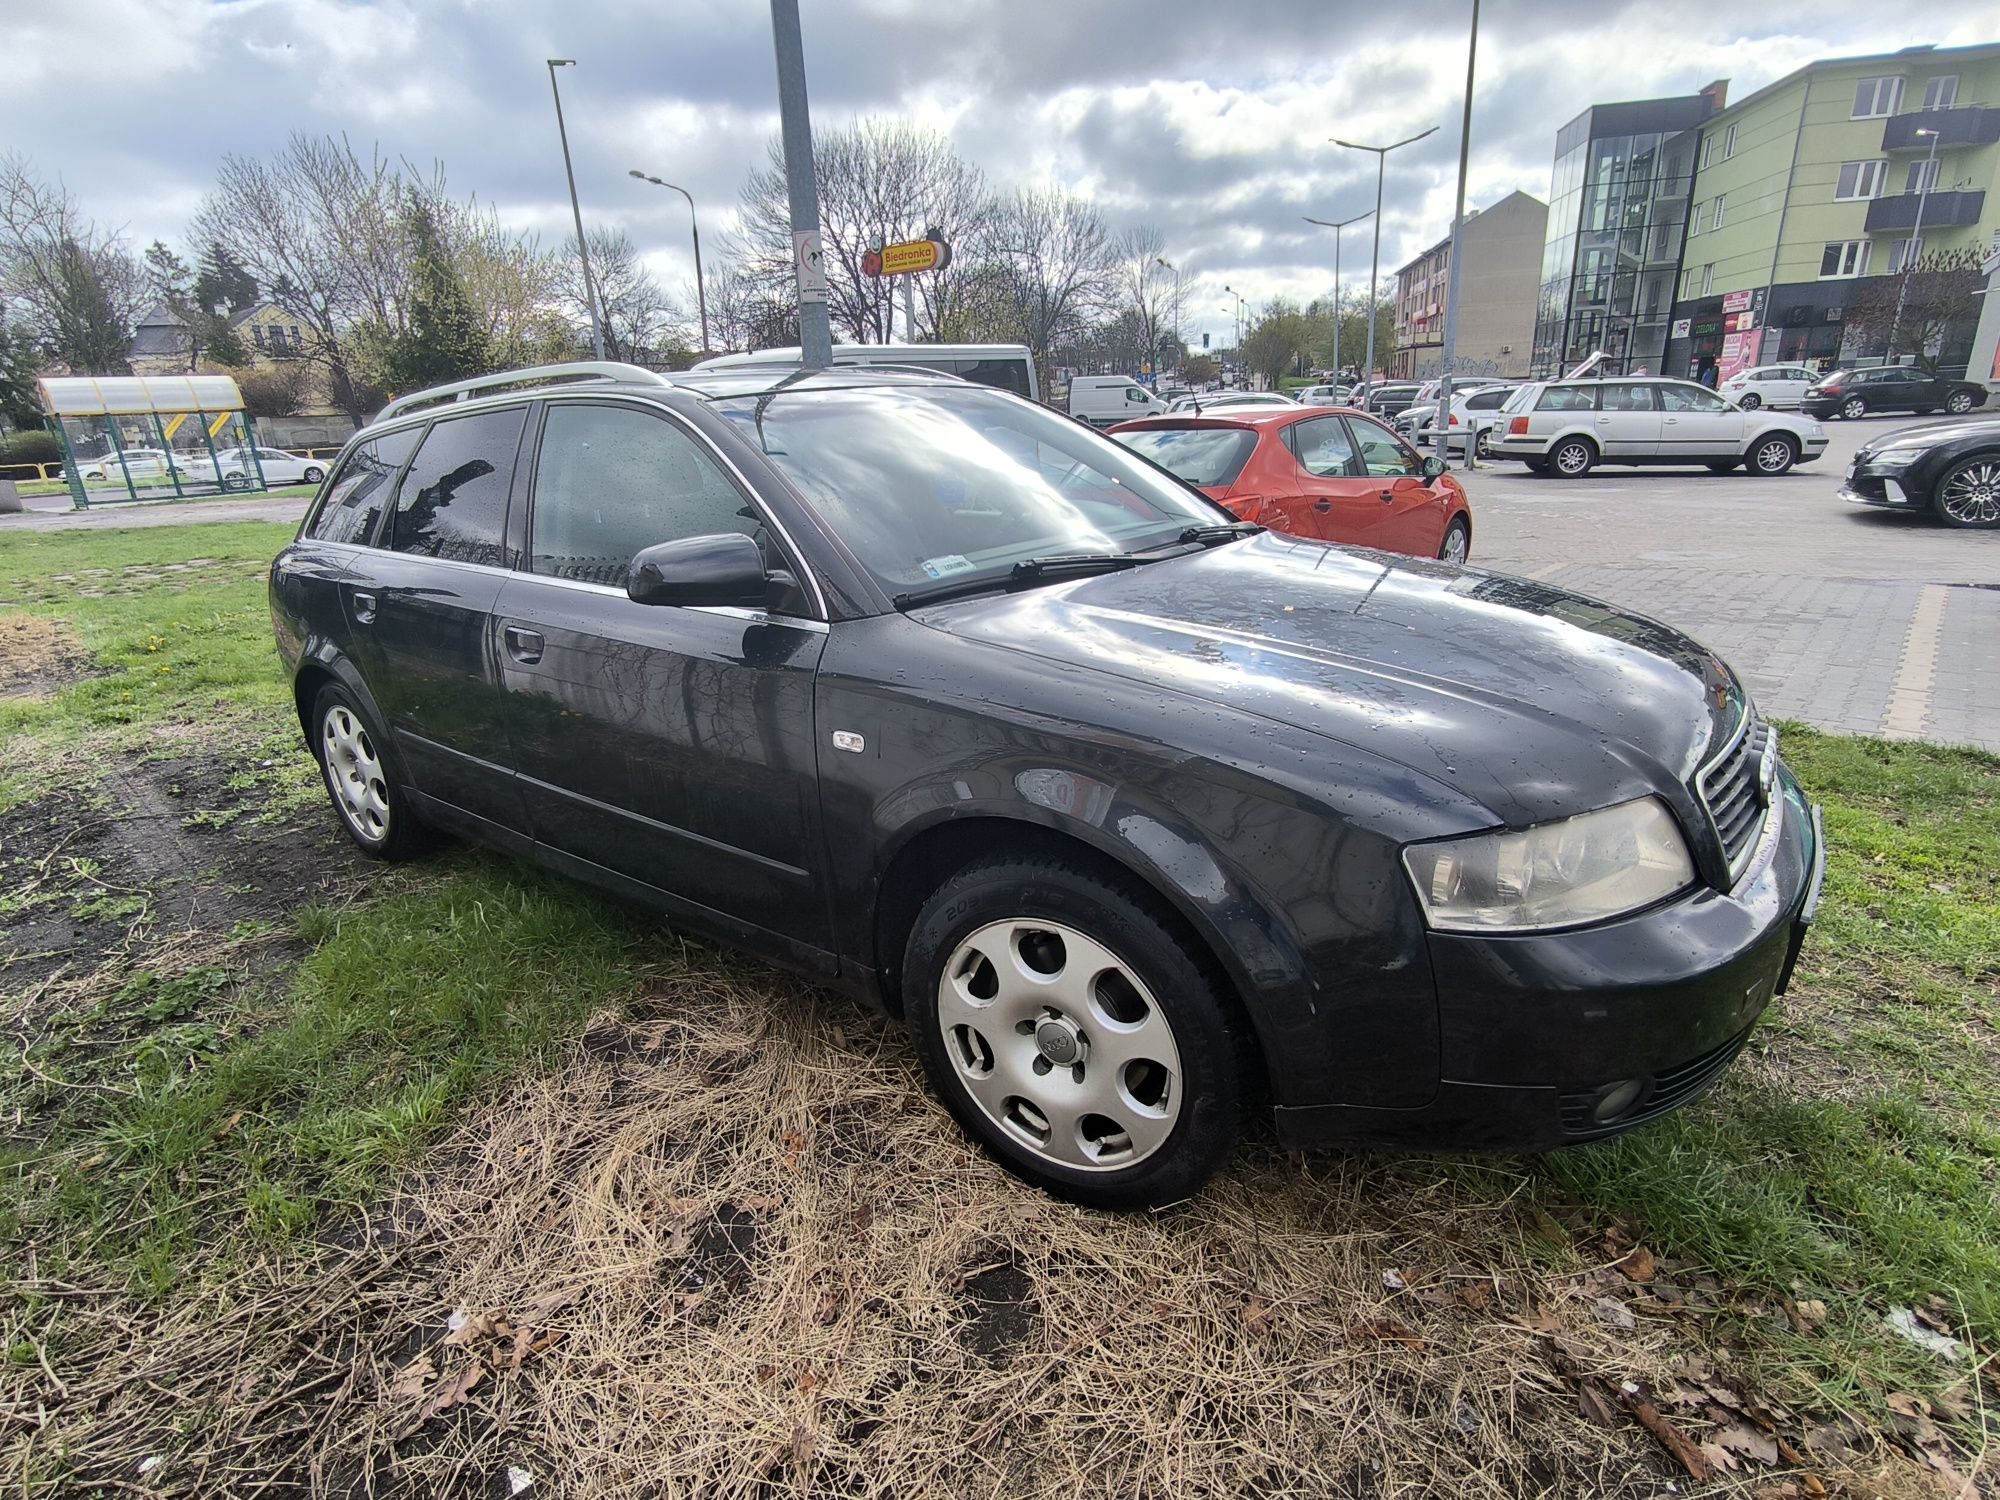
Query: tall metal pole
{"type": "Point", "coordinates": [795, 119]}
{"type": "Point", "coordinates": [1375, 259]}
{"type": "Point", "coordinates": [1443, 419]}
{"type": "Point", "coordinates": [1910, 250]}
{"type": "Point", "coordinates": [1336, 228]}
{"type": "Point", "coordinates": [694, 221]}
{"type": "Point", "coordinates": [582, 250]}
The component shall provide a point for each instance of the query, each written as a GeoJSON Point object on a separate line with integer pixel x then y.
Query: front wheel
{"type": "Point", "coordinates": [1572, 458]}
{"type": "Point", "coordinates": [1078, 1036]}
{"type": "Point", "coordinates": [1853, 407]}
{"type": "Point", "coordinates": [1457, 544]}
{"type": "Point", "coordinates": [1750, 401]}
{"type": "Point", "coordinates": [1958, 403]}
{"type": "Point", "coordinates": [1969, 495]}
{"type": "Point", "coordinates": [313, 474]}
{"type": "Point", "coordinates": [1773, 455]}
{"type": "Point", "coordinates": [236, 482]}
{"type": "Point", "coordinates": [362, 779]}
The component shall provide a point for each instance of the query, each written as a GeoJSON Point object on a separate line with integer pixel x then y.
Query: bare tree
{"type": "Point", "coordinates": [74, 284]}
{"type": "Point", "coordinates": [1151, 288]}
{"type": "Point", "coordinates": [880, 182]}
{"type": "Point", "coordinates": [643, 323]}
{"type": "Point", "coordinates": [1918, 311]}
{"type": "Point", "coordinates": [1058, 264]}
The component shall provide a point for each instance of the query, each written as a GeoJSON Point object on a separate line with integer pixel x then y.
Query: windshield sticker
{"type": "Point", "coordinates": [944, 567]}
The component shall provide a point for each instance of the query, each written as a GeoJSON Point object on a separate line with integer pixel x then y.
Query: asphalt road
{"type": "Point", "coordinates": [1850, 619]}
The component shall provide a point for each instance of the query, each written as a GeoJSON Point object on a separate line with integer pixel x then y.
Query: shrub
{"type": "Point", "coordinates": [30, 448]}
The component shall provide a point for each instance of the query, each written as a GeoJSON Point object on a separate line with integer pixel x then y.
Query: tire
{"type": "Point", "coordinates": [1457, 544]}
{"type": "Point", "coordinates": [1853, 407]}
{"type": "Point", "coordinates": [1969, 494]}
{"type": "Point", "coordinates": [1032, 941]}
{"type": "Point", "coordinates": [1481, 445]}
{"type": "Point", "coordinates": [1772, 455]}
{"type": "Point", "coordinates": [1572, 458]}
{"type": "Point", "coordinates": [1958, 403]}
{"type": "Point", "coordinates": [1750, 401]}
{"type": "Point", "coordinates": [236, 482]}
{"type": "Point", "coordinates": [364, 779]}
{"type": "Point", "coordinates": [1724, 468]}
{"type": "Point", "coordinates": [313, 474]}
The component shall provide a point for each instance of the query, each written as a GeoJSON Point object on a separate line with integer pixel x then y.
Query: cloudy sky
{"type": "Point", "coordinates": [1208, 118]}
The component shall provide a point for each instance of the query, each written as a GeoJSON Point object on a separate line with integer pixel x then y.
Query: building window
{"type": "Point", "coordinates": [257, 334]}
{"type": "Point", "coordinates": [1707, 150]}
{"type": "Point", "coordinates": [1707, 279]}
{"type": "Point", "coordinates": [1861, 179]}
{"type": "Point", "coordinates": [1874, 97]}
{"type": "Point", "coordinates": [1843, 259]}
{"type": "Point", "coordinates": [1905, 254]}
{"type": "Point", "coordinates": [1694, 220]}
{"type": "Point", "coordinates": [1941, 93]}
{"type": "Point", "coordinates": [1687, 282]}
{"type": "Point", "coordinates": [1922, 176]}
{"type": "Point", "coordinates": [1720, 202]}
{"type": "Point", "coordinates": [1729, 143]}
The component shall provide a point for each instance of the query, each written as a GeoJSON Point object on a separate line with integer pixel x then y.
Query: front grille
{"type": "Point", "coordinates": [1733, 790]}
{"type": "Point", "coordinates": [1664, 1091]}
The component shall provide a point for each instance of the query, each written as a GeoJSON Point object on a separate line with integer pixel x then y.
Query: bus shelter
{"type": "Point", "coordinates": [150, 437]}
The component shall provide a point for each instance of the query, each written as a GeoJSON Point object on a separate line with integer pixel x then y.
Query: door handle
{"type": "Point", "coordinates": [1388, 497]}
{"type": "Point", "coordinates": [364, 609]}
{"type": "Point", "coordinates": [1670, 421]}
{"type": "Point", "coordinates": [1322, 505]}
{"type": "Point", "coordinates": [525, 646]}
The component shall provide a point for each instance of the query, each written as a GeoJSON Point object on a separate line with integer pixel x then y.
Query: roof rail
{"type": "Point", "coordinates": [464, 390]}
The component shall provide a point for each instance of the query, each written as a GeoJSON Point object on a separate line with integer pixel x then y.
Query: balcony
{"type": "Point", "coordinates": [1941, 211]}
{"type": "Point", "coordinates": [1974, 125]}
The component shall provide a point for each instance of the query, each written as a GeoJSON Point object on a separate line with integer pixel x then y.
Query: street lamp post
{"type": "Point", "coordinates": [1175, 272]}
{"type": "Point", "coordinates": [1375, 260]}
{"type": "Point", "coordinates": [1237, 309]}
{"type": "Point", "coordinates": [582, 250]}
{"type": "Point", "coordinates": [700, 293]}
{"type": "Point", "coordinates": [1916, 233]}
{"type": "Point", "coordinates": [1336, 228]}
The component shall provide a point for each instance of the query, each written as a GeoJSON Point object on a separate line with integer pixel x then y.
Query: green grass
{"type": "Point", "coordinates": [99, 493]}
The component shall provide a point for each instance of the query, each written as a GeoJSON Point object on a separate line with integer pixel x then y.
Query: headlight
{"type": "Point", "coordinates": [1582, 869]}
{"type": "Point", "coordinates": [1895, 458]}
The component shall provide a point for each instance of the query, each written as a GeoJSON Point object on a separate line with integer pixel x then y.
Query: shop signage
{"type": "Point", "coordinates": [931, 253]}
{"type": "Point", "coordinates": [1680, 328]}
{"type": "Point", "coordinates": [1736, 301]}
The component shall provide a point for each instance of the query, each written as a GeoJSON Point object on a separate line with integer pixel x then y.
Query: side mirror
{"type": "Point", "coordinates": [724, 569]}
{"type": "Point", "coordinates": [1433, 468]}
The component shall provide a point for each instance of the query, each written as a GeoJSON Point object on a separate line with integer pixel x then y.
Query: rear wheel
{"type": "Point", "coordinates": [236, 481]}
{"type": "Point", "coordinates": [1773, 455]}
{"type": "Point", "coordinates": [1853, 407]}
{"type": "Point", "coordinates": [1958, 403]}
{"type": "Point", "coordinates": [1481, 446]}
{"type": "Point", "coordinates": [313, 474]}
{"type": "Point", "coordinates": [1969, 494]}
{"type": "Point", "coordinates": [362, 779]}
{"type": "Point", "coordinates": [1750, 401]}
{"type": "Point", "coordinates": [1457, 544]}
{"type": "Point", "coordinates": [1573, 458]}
{"type": "Point", "coordinates": [1076, 1034]}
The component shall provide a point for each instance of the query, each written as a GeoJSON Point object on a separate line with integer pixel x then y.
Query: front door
{"type": "Point", "coordinates": [1628, 421]}
{"type": "Point", "coordinates": [1330, 499]}
{"type": "Point", "coordinates": [672, 746]}
{"type": "Point", "coordinates": [1410, 510]}
{"type": "Point", "coordinates": [1698, 426]}
{"type": "Point", "coordinates": [421, 603]}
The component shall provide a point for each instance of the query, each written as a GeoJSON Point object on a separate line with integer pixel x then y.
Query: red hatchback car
{"type": "Point", "coordinates": [1331, 474]}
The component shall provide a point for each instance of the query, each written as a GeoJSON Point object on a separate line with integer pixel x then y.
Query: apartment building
{"type": "Point", "coordinates": [1500, 250]}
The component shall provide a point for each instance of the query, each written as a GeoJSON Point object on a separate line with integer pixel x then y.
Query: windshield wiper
{"type": "Point", "coordinates": [1219, 531]}
{"type": "Point", "coordinates": [1069, 565]}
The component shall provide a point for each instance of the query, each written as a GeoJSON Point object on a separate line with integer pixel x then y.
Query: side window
{"type": "Point", "coordinates": [1383, 454]}
{"type": "Point", "coordinates": [1323, 447]}
{"type": "Point", "coordinates": [361, 488]}
{"type": "Point", "coordinates": [453, 503]}
{"type": "Point", "coordinates": [1487, 400]}
{"type": "Point", "coordinates": [1628, 398]}
{"type": "Point", "coordinates": [1678, 397]}
{"type": "Point", "coordinates": [1568, 398]}
{"type": "Point", "coordinates": [1004, 374]}
{"type": "Point", "coordinates": [612, 480]}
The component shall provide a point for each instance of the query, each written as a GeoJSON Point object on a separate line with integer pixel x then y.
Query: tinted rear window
{"type": "Point", "coordinates": [453, 501]}
{"type": "Point", "coordinates": [1568, 398]}
{"type": "Point", "coordinates": [354, 503]}
{"type": "Point", "coordinates": [1207, 456]}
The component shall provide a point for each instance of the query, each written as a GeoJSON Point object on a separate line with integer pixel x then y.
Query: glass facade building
{"type": "Point", "coordinates": [1618, 210]}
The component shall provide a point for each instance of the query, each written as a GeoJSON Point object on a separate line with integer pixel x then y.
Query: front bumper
{"type": "Point", "coordinates": [1868, 485]}
{"type": "Point", "coordinates": [1538, 1031]}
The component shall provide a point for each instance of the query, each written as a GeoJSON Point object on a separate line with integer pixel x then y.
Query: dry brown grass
{"type": "Point", "coordinates": [735, 1249]}
{"type": "Point", "coordinates": [36, 655]}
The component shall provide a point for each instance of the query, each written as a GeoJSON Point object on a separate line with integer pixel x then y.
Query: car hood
{"type": "Point", "coordinates": [1531, 701]}
{"type": "Point", "coordinates": [1932, 434]}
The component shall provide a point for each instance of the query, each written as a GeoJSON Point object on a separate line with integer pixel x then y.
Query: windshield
{"type": "Point", "coordinates": [940, 482]}
{"type": "Point", "coordinates": [1832, 375]}
{"type": "Point", "coordinates": [1211, 457]}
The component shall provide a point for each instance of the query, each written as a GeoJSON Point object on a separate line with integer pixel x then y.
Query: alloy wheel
{"type": "Point", "coordinates": [1774, 456]}
{"type": "Point", "coordinates": [1457, 544]}
{"type": "Point", "coordinates": [354, 771]}
{"type": "Point", "coordinates": [1854, 407]}
{"type": "Point", "coordinates": [1750, 401]}
{"type": "Point", "coordinates": [314, 476]}
{"type": "Point", "coordinates": [1572, 459]}
{"type": "Point", "coordinates": [1060, 1044]}
{"type": "Point", "coordinates": [1959, 404]}
{"type": "Point", "coordinates": [1970, 494]}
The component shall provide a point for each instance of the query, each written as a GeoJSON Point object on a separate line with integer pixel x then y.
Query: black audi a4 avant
{"type": "Point", "coordinates": [1140, 817]}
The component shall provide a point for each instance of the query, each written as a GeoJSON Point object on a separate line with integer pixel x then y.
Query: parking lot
{"type": "Point", "coordinates": [1847, 618]}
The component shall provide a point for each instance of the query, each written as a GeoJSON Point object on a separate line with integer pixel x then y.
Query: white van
{"type": "Point", "coordinates": [1009, 367]}
{"type": "Point", "coordinates": [1106, 400]}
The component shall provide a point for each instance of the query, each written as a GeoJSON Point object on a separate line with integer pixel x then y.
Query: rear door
{"type": "Point", "coordinates": [1698, 426]}
{"type": "Point", "coordinates": [420, 606]}
{"type": "Point", "coordinates": [1628, 421]}
{"type": "Point", "coordinates": [1410, 508]}
{"type": "Point", "coordinates": [1330, 498]}
{"type": "Point", "coordinates": [672, 746]}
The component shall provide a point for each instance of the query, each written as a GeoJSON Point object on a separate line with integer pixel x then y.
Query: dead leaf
{"type": "Point", "coordinates": [794, 1143]}
{"type": "Point", "coordinates": [802, 1447]}
{"type": "Point", "coordinates": [1257, 1317]}
{"type": "Point", "coordinates": [477, 1328]}
{"type": "Point", "coordinates": [1473, 1294]}
{"type": "Point", "coordinates": [830, 1302]}
{"type": "Point", "coordinates": [412, 1378]}
{"type": "Point", "coordinates": [1811, 1313]}
{"type": "Point", "coordinates": [1639, 1265]}
{"type": "Point", "coordinates": [1387, 1327]}
{"type": "Point", "coordinates": [1812, 1486]}
{"type": "Point", "coordinates": [451, 1392]}
{"type": "Point", "coordinates": [806, 1381]}
{"type": "Point", "coordinates": [1614, 1314]}
{"type": "Point", "coordinates": [1678, 1443]}
{"type": "Point", "coordinates": [766, 1374]}
{"type": "Point", "coordinates": [1721, 1457]}
{"type": "Point", "coordinates": [1740, 1437]}
{"type": "Point", "coordinates": [544, 1307]}
{"type": "Point", "coordinates": [1392, 1280]}
{"type": "Point", "coordinates": [1783, 1490]}
{"type": "Point", "coordinates": [1596, 1410]}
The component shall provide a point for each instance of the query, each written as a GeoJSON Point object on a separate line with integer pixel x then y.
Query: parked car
{"type": "Point", "coordinates": [1768, 385]}
{"type": "Point", "coordinates": [276, 465]}
{"type": "Point", "coordinates": [139, 463]}
{"type": "Point", "coordinates": [1385, 399]}
{"type": "Point", "coordinates": [1233, 401]}
{"type": "Point", "coordinates": [1951, 469]}
{"type": "Point", "coordinates": [1475, 414]}
{"type": "Point", "coordinates": [1334, 476]}
{"type": "Point", "coordinates": [1134, 813]}
{"type": "Point", "coordinates": [1321, 395]}
{"type": "Point", "coordinates": [1105, 400]}
{"type": "Point", "coordinates": [1568, 427]}
{"type": "Point", "coordinates": [1855, 393]}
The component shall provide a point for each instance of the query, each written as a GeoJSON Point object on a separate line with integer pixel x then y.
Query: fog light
{"type": "Point", "coordinates": [1614, 1099]}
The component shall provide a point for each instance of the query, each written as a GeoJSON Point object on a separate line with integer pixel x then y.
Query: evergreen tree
{"type": "Point", "coordinates": [443, 339]}
{"type": "Point", "coordinates": [20, 363]}
{"type": "Point", "coordinates": [223, 285]}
